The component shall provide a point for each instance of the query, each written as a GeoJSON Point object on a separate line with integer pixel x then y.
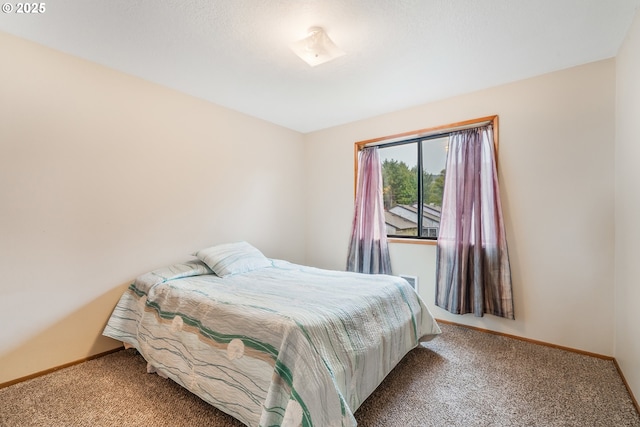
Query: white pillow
{"type": "Point", "coordinates": [233, 258]}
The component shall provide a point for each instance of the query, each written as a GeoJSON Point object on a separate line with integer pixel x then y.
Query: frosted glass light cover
{"type": "Point", "coordinates": [317, 48]}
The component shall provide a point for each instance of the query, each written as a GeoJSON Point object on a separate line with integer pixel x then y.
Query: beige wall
{"type": "Point", "coordinates": [627, 208]}
{"type": "Point", "coordinates": [556, 174]}
{"type": "Point", "coordinates": [103, 177]}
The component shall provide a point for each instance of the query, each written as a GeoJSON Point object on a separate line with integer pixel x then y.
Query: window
{"type": "Point", "coordinates": [413, 174]}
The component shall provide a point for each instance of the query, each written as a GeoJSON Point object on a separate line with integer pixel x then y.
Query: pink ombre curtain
{"type": "Point", "coordinates": [368, 249]}
{"type": "Point", "coordinates": [473, 273]}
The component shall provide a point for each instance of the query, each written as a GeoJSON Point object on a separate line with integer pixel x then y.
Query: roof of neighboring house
{"type": "Point", "coordinates": [398, 222]}
{"type": "Point", "coordinates": [431, 212]}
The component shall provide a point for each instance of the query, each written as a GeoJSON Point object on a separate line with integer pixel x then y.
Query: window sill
{"type": "Point", "coordinates": [412, 241]}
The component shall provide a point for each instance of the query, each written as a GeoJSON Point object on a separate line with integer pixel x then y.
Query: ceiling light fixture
{"type": "Point", "coordinates": [317, 48]}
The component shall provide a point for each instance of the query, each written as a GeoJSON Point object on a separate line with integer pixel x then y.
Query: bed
{"type": "Point", "coordinates": [271, 342]}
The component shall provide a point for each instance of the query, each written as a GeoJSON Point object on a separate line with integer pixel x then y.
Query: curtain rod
{"type": "Point", "coordinates": [429, 134]}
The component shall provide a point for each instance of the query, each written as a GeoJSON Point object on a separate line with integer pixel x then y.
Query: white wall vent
{"type": "Point", "coordinates": [413, 281]}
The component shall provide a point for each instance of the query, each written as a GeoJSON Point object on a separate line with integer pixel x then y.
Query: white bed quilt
{"type": "Point", "coordinates": [284, 345]}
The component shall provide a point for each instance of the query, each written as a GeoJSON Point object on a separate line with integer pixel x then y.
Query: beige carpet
{"type": "Point", "coordinates": [462, 378]}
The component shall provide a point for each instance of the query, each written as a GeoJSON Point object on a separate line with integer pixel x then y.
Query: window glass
{"type": "Point", "coordinates": [413, 174]}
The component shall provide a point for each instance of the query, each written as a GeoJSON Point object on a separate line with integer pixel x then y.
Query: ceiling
{"type": "Point", "coordinates": [236, 53]}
